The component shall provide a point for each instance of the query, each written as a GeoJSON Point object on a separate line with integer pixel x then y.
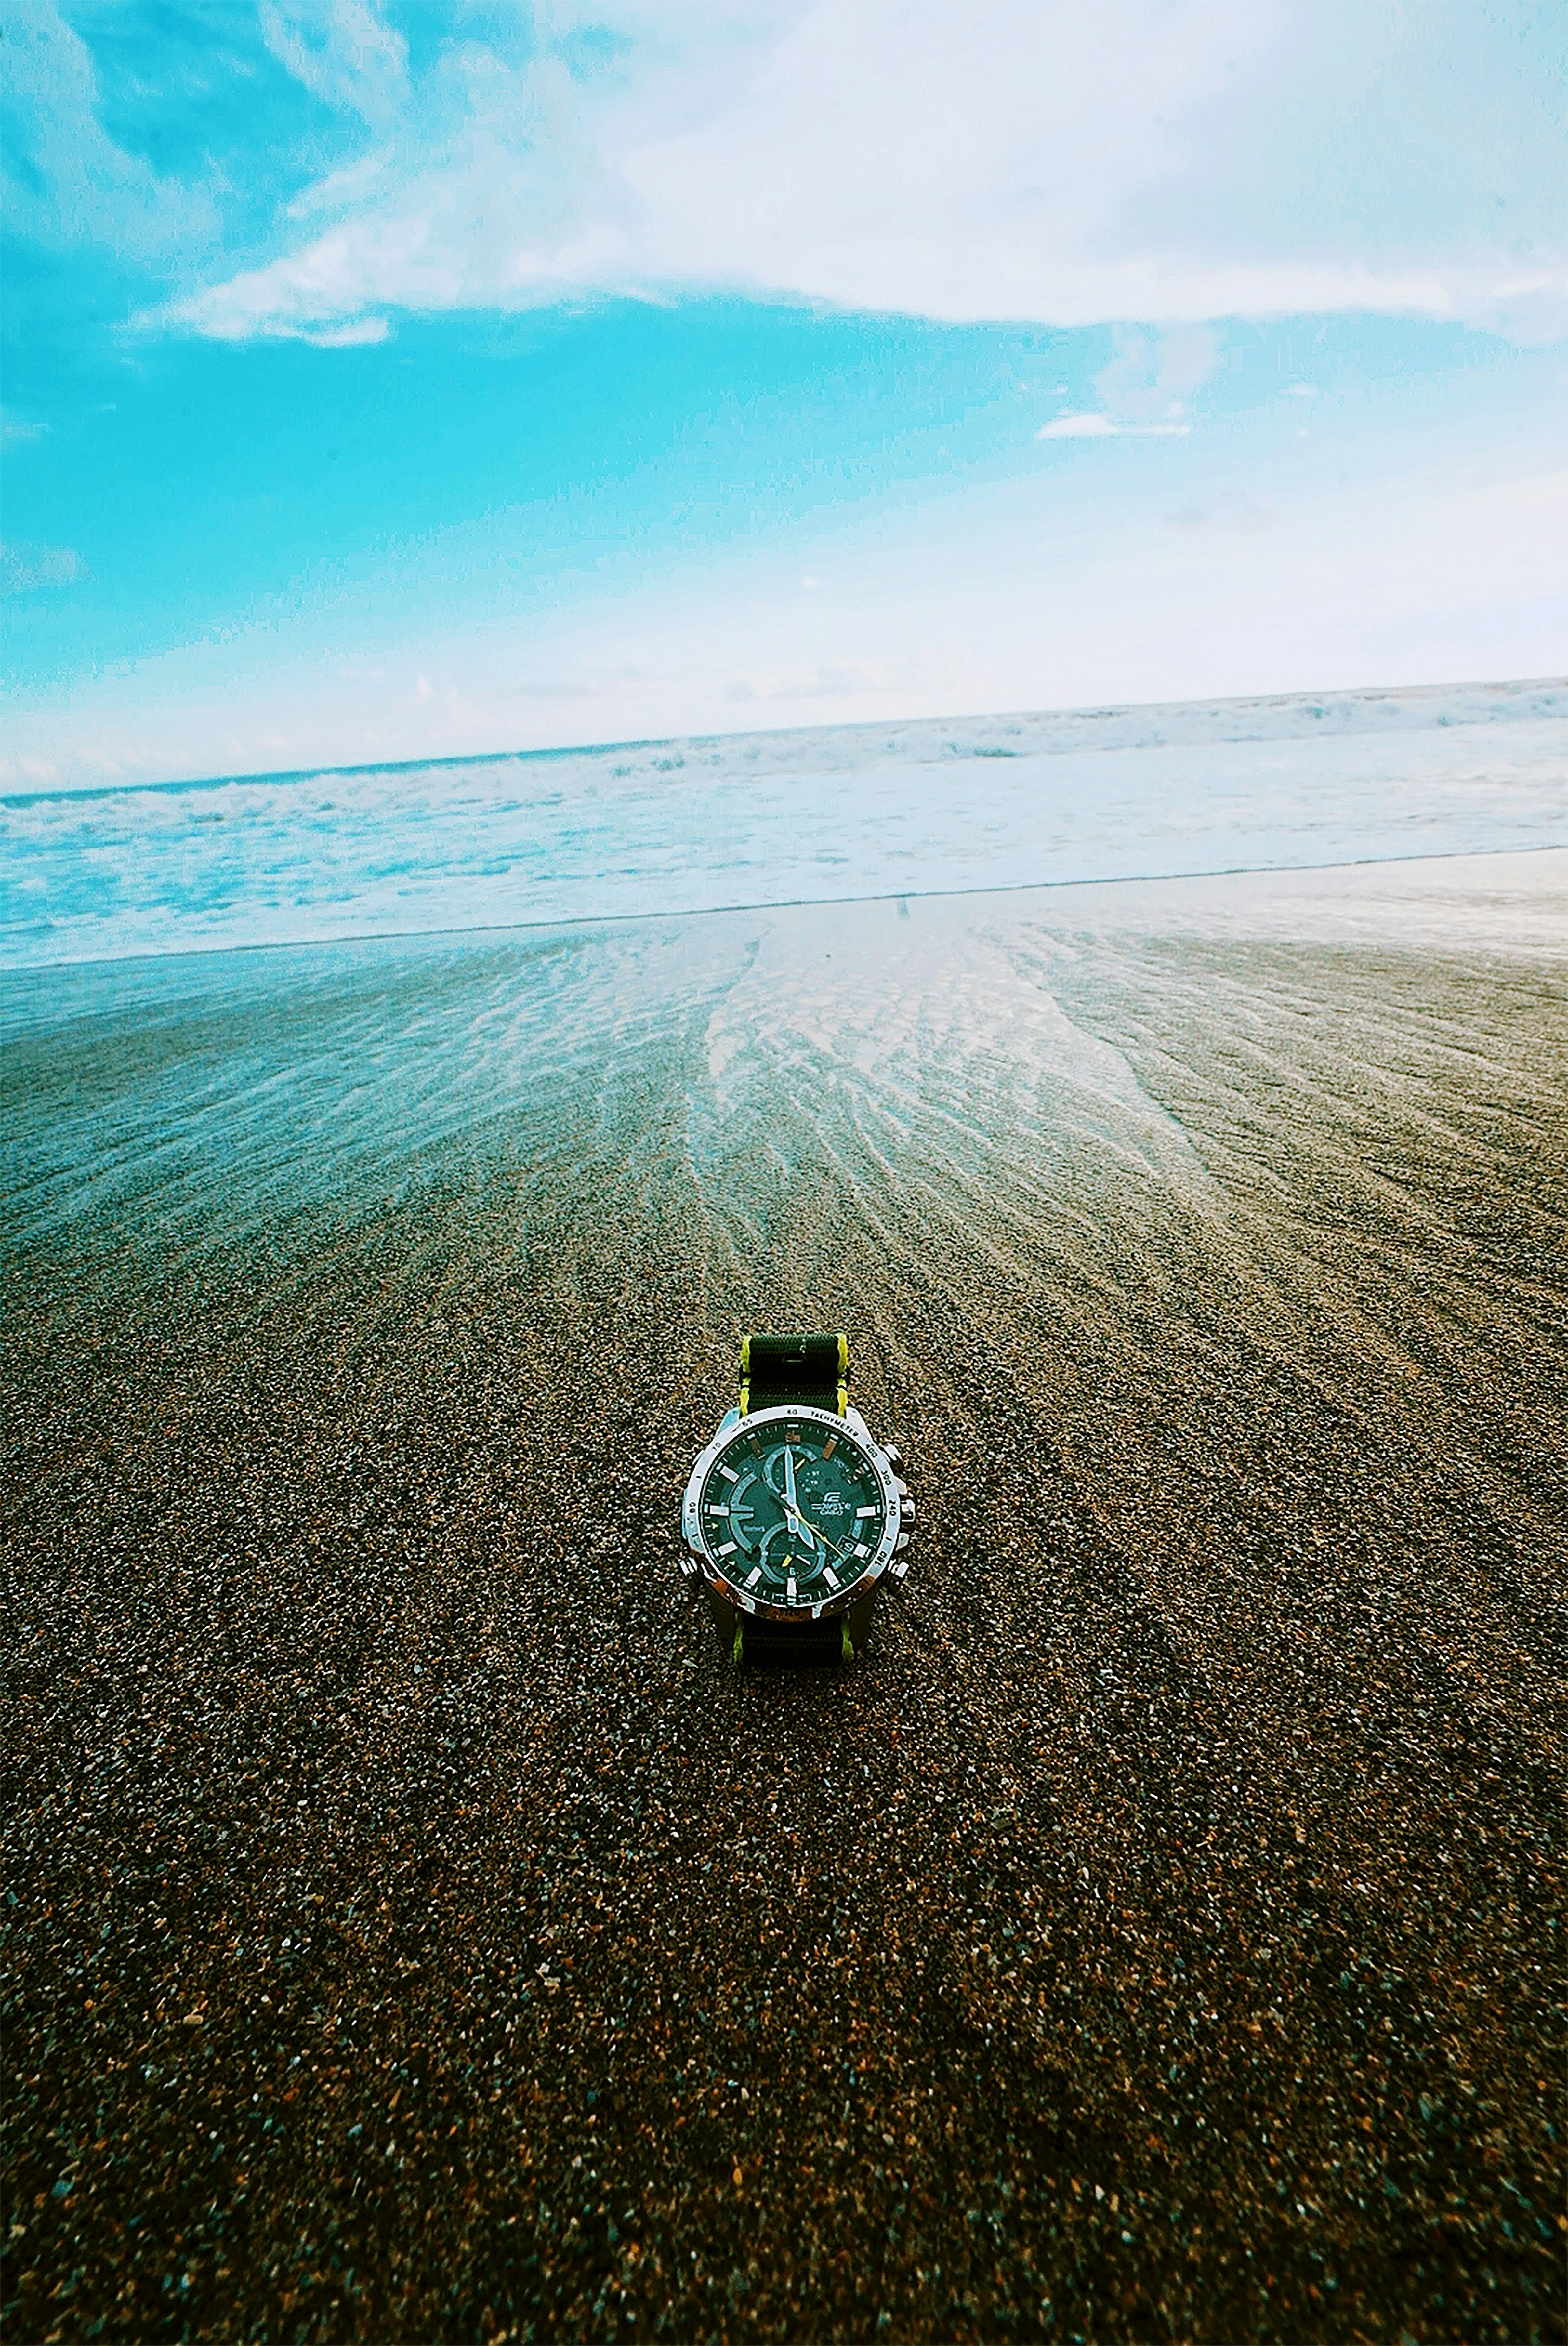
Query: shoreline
{"type": "Point", "coordinates": [1172, 880]}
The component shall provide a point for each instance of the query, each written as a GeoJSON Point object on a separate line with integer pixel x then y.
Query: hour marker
{"type": "Point", "coordinates": [717, 1507]}
{"type": "Point", "coordinates": [830, 1575]}
{"type": "Point", "coordinates": [861, 1512]}
{"type": "Point", "coordinates": [729, 1474]}
{"type": "Point", "coordinates": [725, 1548]}
{"type": "Point", "coordinates": [861, 1549]}
{"type": "Point", "coordinates": [753, 1577]}
{"type": "Point", "coordinates": [830, 1445]}
{"type": "Point", "coordinates": [789, 1586]}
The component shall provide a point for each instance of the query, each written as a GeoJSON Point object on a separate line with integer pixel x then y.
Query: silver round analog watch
{"type": "Point", "coordinates": [794, 1515]}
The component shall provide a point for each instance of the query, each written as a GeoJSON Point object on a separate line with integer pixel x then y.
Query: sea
{"type": "Point", "coordinates": [847, 813]}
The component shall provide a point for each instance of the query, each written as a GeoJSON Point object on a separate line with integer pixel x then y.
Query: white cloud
{"type": "Point", "coordinates": [353, 331]}
{"type": "Point", "coordinates": [831, 680]}
{"type": "Point", "coordinates": [1078, 428]}
{"type": "Point", "coordinates": [23, 568]}
{"type": "Point", "coordinates": [1092, 427]}
{"type": "Point", "coordinates": [341, 52]}
{"type": "Point", "coordinates": [65, 179]}
{"type": "Point", "coordinates": [1236, 511]}
{"type": "Point", "coordinates": [1142, 385]}
{"type": "Point", "coordinates": [1155, 159]}
{"type": "Point", "coordinates": [489, 194]}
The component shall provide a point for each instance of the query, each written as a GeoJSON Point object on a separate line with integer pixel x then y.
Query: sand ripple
{"type": "Point", "coordinates": [416, 1930]}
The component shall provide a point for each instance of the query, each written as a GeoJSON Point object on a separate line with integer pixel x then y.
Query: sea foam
{"type": "Point", "coordinates": [836, 812]}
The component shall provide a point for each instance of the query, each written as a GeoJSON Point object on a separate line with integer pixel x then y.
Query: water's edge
{"type": "Point", "coordinates": [837, 815]}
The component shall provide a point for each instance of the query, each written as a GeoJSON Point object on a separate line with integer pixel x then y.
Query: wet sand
{"type": "Point", "coordinates": [414, 1929]}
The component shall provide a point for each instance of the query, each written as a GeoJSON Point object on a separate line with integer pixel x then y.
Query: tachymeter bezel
{"type": "Point", "coordinates": [737, 1431]}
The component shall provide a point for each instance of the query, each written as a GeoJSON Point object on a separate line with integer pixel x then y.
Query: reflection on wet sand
{"type": "Point", "coordinates": [1147, 1939]}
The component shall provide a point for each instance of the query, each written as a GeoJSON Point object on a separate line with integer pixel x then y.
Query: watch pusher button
{"type": "Point", "coordinates": [906, 1508]}
{"type": "Point", "coordinates": [892, 1453]}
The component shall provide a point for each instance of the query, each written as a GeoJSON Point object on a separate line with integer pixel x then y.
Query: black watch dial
{"type": "Point", "coordinates": [792, 1513]}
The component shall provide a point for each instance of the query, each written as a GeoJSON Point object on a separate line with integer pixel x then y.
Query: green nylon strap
{"type": "Point", "coordinates": [819, 1643]}
{"type": "Point", "coordinates": [812, 1370]}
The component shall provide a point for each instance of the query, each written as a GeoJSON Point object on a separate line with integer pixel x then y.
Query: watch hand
{"type": "Point", "coordinates": [794, 1520]}
{"type": "Point", "coordinates": [807, 1525]}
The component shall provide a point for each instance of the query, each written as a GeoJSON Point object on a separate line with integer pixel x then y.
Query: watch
{"type": "Point", "coordinates": [794, 1517]}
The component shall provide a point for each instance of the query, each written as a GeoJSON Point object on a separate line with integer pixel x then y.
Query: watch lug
{"type": "Point", "coordinates": [724, 1618]}
{"type": "Point", "coordinates": [859, 1616]}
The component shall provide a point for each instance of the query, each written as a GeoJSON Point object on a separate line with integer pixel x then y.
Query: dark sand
{"type": "Point", "coordinates": [414, 1929]}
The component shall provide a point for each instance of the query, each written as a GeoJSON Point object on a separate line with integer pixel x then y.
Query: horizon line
{"type": "Point", "coordinates": [780, 732]}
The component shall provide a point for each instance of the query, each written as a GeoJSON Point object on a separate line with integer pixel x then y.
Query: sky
{"type": "Point", "coordinates": [404, 380]}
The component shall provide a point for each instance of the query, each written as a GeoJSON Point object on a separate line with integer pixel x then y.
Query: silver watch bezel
{"type": "Point", "coordinates": [796, 1413]}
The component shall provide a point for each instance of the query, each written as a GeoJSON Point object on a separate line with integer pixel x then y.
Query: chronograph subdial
{"type": "Point", "coordinates": [763, 1530]}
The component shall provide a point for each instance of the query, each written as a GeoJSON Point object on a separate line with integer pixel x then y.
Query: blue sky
{"type": "Point", "coordinates": [399, 381]}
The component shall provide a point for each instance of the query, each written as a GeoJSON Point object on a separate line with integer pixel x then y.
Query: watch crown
{"type": "Point", "coordinates": [903, 1541]}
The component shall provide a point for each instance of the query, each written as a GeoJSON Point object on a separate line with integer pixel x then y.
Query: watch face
{"type": "Point", "coordinates": [792, 1511]}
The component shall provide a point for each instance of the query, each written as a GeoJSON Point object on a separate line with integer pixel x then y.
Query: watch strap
{"type": "Point", "coordinates": [812, 1644]}
{"type": "Point", "coordinates": [750, 1637]}
{"type": "Point", "coordinates": [812, 1370]}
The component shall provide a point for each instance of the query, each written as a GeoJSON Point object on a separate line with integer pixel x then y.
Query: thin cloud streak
{"type": "Point", "coordinates": [1146, 607]}
{"type": "Point", "coordinates": [26, 569]}
{"type": "Point", "coordinates": [1100, 427]}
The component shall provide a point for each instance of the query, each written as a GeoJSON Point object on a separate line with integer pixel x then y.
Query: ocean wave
{"type": "Point", "coordinates": [835, 813]}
